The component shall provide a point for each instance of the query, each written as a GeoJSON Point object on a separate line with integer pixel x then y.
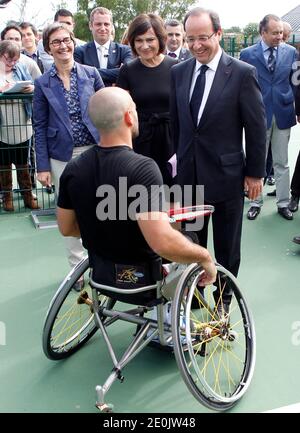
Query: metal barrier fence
{"type": "Point", "coordinates": [19, 189]}
{"type": "Point", "coordinates": [233, 44]}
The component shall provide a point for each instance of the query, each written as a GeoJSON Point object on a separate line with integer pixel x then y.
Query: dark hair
{"type": "Point", "coordinates": [10, 48]}
{"type": "Point", "coordinates": [62, 13]}
{"type": "Point", "coordinates": [51, 29]}
{"type": "Point", "coordinates": [173, 23]}
{"type": "Point", "coordinates": [141, 24]}
{"type": "Point", "coordinates": [263, 25]}
{"type": "Point", "coordinates": [214, 17]}
{"type": "Point", "coordinates": [7, 28]}
{"type": "Point", "coordinates": [25, 25]}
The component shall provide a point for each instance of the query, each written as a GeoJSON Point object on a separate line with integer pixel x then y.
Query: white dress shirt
{"type": "Point", "coordinates": [102, 52]}
{"type": "Point", "coordinates": [209, 78]}
{"type": "Point", "coordinates": [177, 52]}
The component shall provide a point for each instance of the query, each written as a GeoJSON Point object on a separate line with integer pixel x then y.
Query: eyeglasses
{"type": "Point", "coordinates": [191, 39]}
{"type": "Point", "coordinates": [10, 61]}
{"type": "Point", "coordinates": [57, 42]}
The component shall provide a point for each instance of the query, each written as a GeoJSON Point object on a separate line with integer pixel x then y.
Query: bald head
{"type": "Point", "coordinates": [287, 30]}
{"type": "Point", "coordinates": [107, 108]}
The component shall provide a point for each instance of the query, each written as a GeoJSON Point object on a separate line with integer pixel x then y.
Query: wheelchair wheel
{"type": "Point", "coordinates": [214, 344]}
{"type": "Point", "coordinates": [69, 321]}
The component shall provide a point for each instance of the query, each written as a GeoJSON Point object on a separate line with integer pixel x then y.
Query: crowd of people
{"type": "Point", "coordinates": [194, 104]}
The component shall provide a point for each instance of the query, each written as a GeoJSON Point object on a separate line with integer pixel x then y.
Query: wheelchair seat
{"type": "Point", "coordinates": [132, 283]}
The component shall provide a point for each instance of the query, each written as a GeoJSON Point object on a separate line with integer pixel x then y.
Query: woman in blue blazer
{"type": "Point", "coordinates": [61, 122]}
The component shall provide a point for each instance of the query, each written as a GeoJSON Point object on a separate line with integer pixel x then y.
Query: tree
{"type": "Point", "coordinates": [251, 30]}
{"type": "Point", "coordinates": [125, 11]}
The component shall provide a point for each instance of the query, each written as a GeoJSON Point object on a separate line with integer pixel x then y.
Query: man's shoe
{"type": "Point", "coordinates": [270, 180]}
{"type": "Point", "coordinates": [253, 212]}
{"type": "Point", "coordinates": [272, 193]}
{"type": "Point", "coordinates": [294, 203]}
{"type": "Point", "coordinates": [285, 213]}
{"type": "Point", "coordinates": [296, 239]}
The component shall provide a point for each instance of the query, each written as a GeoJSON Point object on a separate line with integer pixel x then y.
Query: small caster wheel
{"type": "Point", "coordinates": [105, 408]}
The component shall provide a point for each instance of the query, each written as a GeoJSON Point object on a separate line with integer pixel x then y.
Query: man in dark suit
{"type": "Point", "coordinates": [175, 39]}
{"type": "Point", "coordinates": [103, 53]}
{"type": "Point", "coordinates": [274, 62]}
{"type": "Point", "coordinates": [208, 131]}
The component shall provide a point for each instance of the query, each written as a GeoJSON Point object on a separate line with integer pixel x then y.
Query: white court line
{"type": "Point", "coordinates": [292, 408]}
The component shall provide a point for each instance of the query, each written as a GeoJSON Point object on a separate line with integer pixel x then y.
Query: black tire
{"type": "Point", "coordinates": [215, 351]}
{"type": "Point", "coordinates": [69, 324]}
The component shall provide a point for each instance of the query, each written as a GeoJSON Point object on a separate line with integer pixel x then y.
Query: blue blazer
{"type": "Point", "coordinates": [212, 154]}
{"type": "Point", "coordinates": [118, 54]}
{"type": "Point", "coordinates": [276, 87]}
{"type": "Point", "coordinates": [51, 122]}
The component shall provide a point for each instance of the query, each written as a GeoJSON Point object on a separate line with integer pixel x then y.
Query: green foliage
{"type": "Point", "coordinates": [124, 11]}
{"type": "Point", "coordinates": [251, 30]}
{"type": "Point", "coordinates": [233, 29]}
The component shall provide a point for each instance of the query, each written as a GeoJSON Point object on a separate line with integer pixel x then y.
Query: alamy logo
{"type": "Point", "coordinates": [2, 334]}
{"type": "Point", "coordinates": [126, 202]}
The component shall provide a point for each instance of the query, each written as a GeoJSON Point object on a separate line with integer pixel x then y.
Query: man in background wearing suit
{"type": "Point", "coordinates": [175, 38]}
{"type": "Point", "coordinates": [274, 62]}
{"type": "Point", "coordinates": [215, 97]}
{"type": "Point", "coordinates": [62, 16]}
{"type": "Point", "coordinates": [103, 53]}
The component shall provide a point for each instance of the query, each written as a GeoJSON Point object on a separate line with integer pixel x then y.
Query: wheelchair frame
{"type": "Point", "coordinates": [201, 337]}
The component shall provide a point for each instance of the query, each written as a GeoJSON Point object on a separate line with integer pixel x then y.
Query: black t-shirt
{"type": "Point", "coordinates": [105, 182]}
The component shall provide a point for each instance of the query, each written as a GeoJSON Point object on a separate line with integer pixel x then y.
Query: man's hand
{"type": "Point", "coordinates": [44, 177]}
{"type": "Point", "coordinates": [28, 89]}
{"type": "Point", "coordinates": [210, 273]}
{"type": "Point", "coordinates": [253, 186]}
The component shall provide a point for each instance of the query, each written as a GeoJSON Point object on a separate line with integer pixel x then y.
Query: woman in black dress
{"type": "Point", "coordinates": [147, 78]}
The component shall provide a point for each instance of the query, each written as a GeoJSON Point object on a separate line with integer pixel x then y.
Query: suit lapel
{"type": "Point", "coordinates": [112, 53]}
{"type": "Point", "coordinates": [187, 79]}
{"type": "Point", "coordinates": [82, 83]}
{"type": "Point", "coordinates": [221, 78]}
{"type": "Point", "coordinates": [280, 56]}
{"type": "Point", "coordinates": [259, 54]}
{"type": "Point", "coordinates": [92, 54]}
{"type": "Point", "coordinates": [56, 99]}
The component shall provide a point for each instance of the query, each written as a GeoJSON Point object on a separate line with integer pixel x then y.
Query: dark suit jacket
{"type": "Point", "coordinates": [117, 55]}
{"type": "Point", "coordinates": [212, 154]}
{"type": "Point", "coordinates": [277, 89]}
{"type": "Point", "coordinates": [184, 54]}
{"type": "Point", "coordinates": [51, 121]}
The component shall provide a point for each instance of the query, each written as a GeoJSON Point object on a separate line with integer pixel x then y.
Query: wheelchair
{"type": "Point", "coordinates": [214, 346]}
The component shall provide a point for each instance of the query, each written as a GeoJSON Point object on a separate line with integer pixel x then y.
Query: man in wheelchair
{"type": "Point", "coordinates": [96, 203]}
{"type": "Point", "coordinates": [126, 238]}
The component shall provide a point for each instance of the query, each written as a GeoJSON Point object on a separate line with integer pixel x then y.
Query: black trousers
{"type": "Point", "coordinates": [227, 231]}
{"type": "Point", "coordinates": [295, 184]}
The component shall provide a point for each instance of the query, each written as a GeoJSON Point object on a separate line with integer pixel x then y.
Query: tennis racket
{"type": "Point", "coordinates": [189, 213]}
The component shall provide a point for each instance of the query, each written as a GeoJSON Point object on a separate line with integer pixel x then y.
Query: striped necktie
{"type": "Point", "coordinates": [271, 60]}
